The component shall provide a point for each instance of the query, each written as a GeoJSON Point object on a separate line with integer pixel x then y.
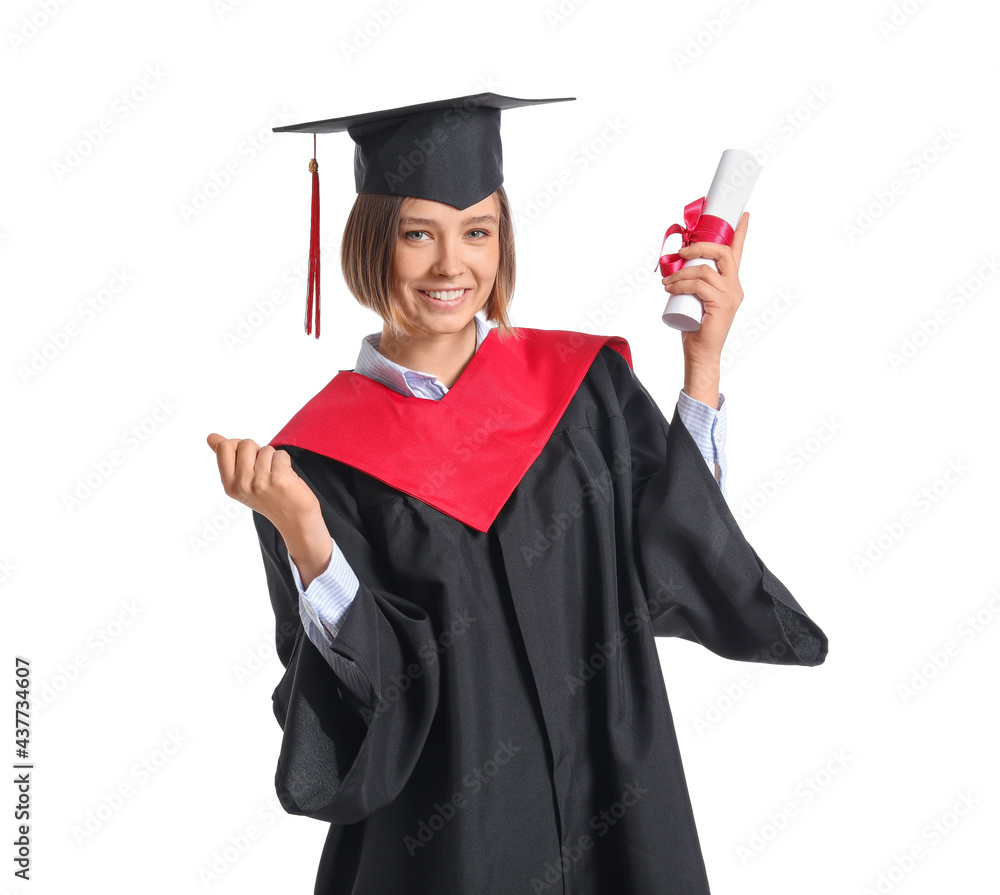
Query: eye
{"type": "Point", "coordinates": [482, 232]}
{"type": "Point", "coordinates": [410, 233]}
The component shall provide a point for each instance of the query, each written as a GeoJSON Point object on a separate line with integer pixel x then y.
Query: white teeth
{"type": "Point", "coordinates": [445, 296]}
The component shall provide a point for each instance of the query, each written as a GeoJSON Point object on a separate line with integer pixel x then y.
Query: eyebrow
{"type": "Point", "coordinates": [427, 222]}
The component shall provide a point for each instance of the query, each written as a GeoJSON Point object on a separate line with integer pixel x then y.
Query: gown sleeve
{"type": "Point", "coordinates": [701, 579]}
{"type": "Point", "coordinates": [343, 757]}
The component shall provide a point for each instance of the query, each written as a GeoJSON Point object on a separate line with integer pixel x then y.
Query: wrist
{"type": "Point", "coordinates": [701, 380]}
{"type": "Point", "coordinates": [309, 545]}
{"type": "Point", "coordinates": [304, 528]}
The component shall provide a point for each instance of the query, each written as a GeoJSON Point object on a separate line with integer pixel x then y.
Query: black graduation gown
{"type": "Point", "coordinates": [516, 735]}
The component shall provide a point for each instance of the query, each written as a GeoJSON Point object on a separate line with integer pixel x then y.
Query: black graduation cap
{"type": "Point", "coordinates": [447, 150]}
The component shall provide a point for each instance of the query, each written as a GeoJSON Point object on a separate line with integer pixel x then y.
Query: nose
{"type": "Point", "coordinates": [448, 261]}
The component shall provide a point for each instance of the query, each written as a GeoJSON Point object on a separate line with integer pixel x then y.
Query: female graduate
{"type": "Point", "coordinates": [471, 541]}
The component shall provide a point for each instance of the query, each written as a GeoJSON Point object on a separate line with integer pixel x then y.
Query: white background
{"type": "Point", "coordinates": [841, 100]}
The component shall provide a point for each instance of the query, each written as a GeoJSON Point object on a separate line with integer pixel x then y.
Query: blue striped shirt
{"type": "Point", "coordinates": [323, 605]}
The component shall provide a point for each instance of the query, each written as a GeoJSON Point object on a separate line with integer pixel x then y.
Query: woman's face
{"type": "Point", "coordinates": [446, 262]}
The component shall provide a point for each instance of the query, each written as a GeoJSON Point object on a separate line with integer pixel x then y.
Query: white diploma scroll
{"type": "Point", "coordinates": [726, 197]}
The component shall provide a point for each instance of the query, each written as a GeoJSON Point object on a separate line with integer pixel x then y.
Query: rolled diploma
{"type": "Point", "coordinates": [726, 197]}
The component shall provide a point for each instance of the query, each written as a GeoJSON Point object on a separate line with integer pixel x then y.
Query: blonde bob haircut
{"type": "Point", "coordinates": [368, 260]}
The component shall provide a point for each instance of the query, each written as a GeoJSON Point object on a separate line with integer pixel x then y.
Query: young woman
{"type": "Point", "coordinates": [472, 540]}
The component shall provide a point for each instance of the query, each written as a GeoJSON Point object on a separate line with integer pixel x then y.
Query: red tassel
{"type": "Point", "coordinates": [312, 285]}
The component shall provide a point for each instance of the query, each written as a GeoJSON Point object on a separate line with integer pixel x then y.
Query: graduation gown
{"type": "Point", "coordinates": [519, 544]}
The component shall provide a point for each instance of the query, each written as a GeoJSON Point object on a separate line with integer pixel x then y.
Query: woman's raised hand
{"type": "Point", "coordinates": [720, 293]}
{"type": "Point", "coordinates": [262, 478]}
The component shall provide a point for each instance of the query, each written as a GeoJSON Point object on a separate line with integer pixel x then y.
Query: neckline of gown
{"type": "Point", "coordinates": [503, 410]}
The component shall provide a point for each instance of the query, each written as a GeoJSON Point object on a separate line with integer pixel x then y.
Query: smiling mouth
{"type": "Point", "coordinates": [443, 294]}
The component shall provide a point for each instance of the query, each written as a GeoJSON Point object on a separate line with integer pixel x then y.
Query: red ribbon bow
{"type": "Point", "coordinates": [697, 227]}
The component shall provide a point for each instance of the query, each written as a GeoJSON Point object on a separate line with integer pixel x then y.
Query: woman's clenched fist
{"type": "Point", "coordinates": [262, 478]}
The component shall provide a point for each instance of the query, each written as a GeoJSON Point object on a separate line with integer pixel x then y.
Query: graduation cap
{"type": "Point", "coordinates": [447, 150]}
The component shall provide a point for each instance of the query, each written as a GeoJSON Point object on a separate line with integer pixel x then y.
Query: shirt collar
{"type": "Point", "coordinates": [399, 378]}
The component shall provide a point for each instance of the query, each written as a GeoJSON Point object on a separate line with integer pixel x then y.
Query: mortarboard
{"type": "Point", "coordinates": [447, 150]}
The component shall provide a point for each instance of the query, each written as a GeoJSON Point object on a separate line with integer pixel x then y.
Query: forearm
{"type": "Point", "coordinates": [309, 546]}
{"type": "Point", "coordinates": [701, 380]}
